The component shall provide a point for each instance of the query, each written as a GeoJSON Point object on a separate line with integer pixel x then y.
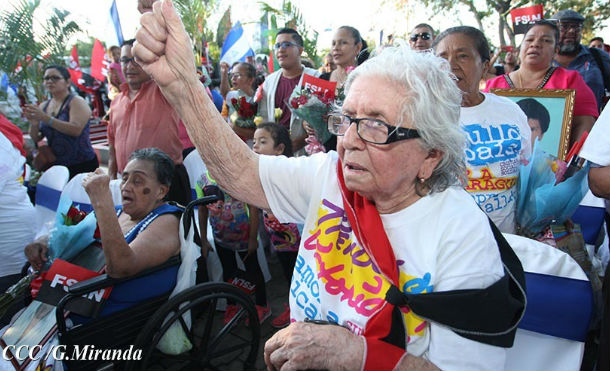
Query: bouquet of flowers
{"type": "Point", "coordinates": [545, 196]}
{"type": "Point", "coordinates": [74, 230]}
{"type": "Point", "coordinates": [312, 106]}
{"type": "Point", "coordinates": [245, 112]}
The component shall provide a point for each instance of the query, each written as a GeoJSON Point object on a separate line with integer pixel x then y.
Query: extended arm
{"type": "Point", "coordinates": [164, 51]}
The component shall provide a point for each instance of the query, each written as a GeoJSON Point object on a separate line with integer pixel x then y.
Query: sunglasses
{"type": "Point", "coordinates": [52, 78]}
{"type": "Point", "coordinates": [284, 45]}
{"type": "Point", "coordinates": [423, 35]}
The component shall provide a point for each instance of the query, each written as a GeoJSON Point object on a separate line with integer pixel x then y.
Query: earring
{"type": "Point", "coordinates": [422, 180]}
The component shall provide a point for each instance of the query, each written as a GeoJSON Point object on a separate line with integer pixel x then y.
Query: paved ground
{"type": "Point", "coordinates": [277, 294]}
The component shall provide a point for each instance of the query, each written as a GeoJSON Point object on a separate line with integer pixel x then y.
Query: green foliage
{"type": "Point", "coordinates": [20, 48]}
{"type": "Point", "coordinates": [224, 26]}
{"type": "Point", "coordinates": [290, 16]}
{"type": "Point", "coordinates": [594, 11]}
{"type": "Point", "coordinates": [213, 51]}
{"type": "Point", "coordinates": [194, 14]}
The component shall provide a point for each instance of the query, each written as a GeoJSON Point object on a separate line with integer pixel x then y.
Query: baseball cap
{"type": "Point", "coordinates": [568, 15]}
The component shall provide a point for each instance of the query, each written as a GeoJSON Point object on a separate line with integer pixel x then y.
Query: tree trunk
{"type": "Point", "coordinates": [501, 29]}
{"type": "Point", "coordinates": [475, 12]}
{"type": "Point", "coordinates": [510, 33]}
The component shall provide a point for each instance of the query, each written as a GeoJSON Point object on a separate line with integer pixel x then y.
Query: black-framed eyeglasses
{"type": "Point", "coordinates": [423, 35]}
{"type": "Point", "coordinates": [566, 26]}
{"type": "Point", "coordinates": [370, 130]}
{"type": "Point", "coordinates": [52, 78]}
{"type": "Point", "coordinates": [125, 60]}
{"type": "Point", "coordinates": [284, 45]}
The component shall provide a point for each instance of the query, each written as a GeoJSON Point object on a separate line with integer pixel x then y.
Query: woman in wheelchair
{"type": "Point", "coordinates": [141, 234]}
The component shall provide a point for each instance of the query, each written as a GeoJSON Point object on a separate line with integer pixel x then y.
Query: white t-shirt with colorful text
{"type": "Point", "coordinates": [441, 242]}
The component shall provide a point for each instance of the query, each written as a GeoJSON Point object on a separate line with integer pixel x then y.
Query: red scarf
{"type": "Point", "coordinates": [12, 133]}
{"type": "Point", "coordinates": [368, 228]}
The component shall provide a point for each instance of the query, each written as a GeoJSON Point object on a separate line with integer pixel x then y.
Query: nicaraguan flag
{"type": "Point", "coordinates": [116, 21]}
{"type": "Point", "coordinates": [235, 47]}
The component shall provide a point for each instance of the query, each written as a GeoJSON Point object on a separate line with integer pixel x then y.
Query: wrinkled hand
{"type": "Point", "coordinates": [96, 183]}
{"type": "Point", "coordinates": [303, 346]}
{"type": "Point", "coordinates": [33, 113]}
{"type": "Point", "coordinates": [36, 253]}
{"type": "Point", "coordinates": [163, 49]}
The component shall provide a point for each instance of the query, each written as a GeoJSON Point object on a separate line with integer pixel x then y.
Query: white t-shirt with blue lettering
{"type": "Point", "coordinates": [498, 141]}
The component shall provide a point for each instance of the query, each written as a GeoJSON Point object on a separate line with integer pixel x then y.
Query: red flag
{"type": "Point", "coordinates": [524, 17]}
{"type": "Point", "coordinates": [99, 64]}
{"type": "Point", "coordinates": [74, 66]}
{"type": "Point", "coordinates": [270, 62]}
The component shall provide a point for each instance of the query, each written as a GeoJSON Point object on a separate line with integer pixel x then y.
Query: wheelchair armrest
{"type": "Point", "coordinates": [100, 282]}
{"type": "Point", "coordinates": [103, 281]}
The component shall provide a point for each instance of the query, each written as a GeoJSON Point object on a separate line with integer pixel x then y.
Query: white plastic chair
{"type": "Point", "coordinates": [74, 189]}
{"type": "Point", "coordinates": [590, 216]}
{"type": "Point", "coordinates": [560, 307]}
{"type": "Point", "coordinates": [48, 191]}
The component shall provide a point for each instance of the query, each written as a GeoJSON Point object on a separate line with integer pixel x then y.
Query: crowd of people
{"type": "Point", "coordinates": [386, 207]}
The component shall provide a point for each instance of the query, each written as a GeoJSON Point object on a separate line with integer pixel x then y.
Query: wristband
{"type": "Point", "coordinates": [50, 122]}
{"type": "Point", "coordinates": [381, 355]}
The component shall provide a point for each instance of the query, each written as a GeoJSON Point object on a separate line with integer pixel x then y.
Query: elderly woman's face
{"type": "Point", "coordinates": [538, 47]}
{"type": "Point", "coordinates": [380, 171]}
{"type": "Point", "coordinates": [465, 60]}
{"type": "Point", "coordinates": [140, 189]}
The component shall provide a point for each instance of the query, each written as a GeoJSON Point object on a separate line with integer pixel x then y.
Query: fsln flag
{"type": "Point", "coordinates": [99, 63]}
{"type": "Point", "coordinates": [74, 67]}
{"type": "Point", "coordinates": [236, 47]}
{"type": "Point", "coordinates": [116, 21]}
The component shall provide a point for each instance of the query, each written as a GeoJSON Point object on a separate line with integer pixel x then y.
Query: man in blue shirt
{"type": "Point", "coordinates": [574, 56]}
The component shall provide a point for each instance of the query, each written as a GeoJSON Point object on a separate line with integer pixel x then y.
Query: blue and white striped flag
{"type": "Point", "coordinates": [116, 21]}
{"type": "Point", "coordinates": [235, 47]}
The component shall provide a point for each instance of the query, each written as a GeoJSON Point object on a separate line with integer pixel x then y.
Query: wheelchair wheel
{"type": "Point", "coordinates": [215, 346]}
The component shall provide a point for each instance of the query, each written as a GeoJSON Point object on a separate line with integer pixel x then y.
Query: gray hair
{"type": "Point", "coordinates": [163, 164]}
{"type": "Point", "coordinates": [431, 103]}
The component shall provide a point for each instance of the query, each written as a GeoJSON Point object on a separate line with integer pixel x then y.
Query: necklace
{"type": "Point", "coordinates": [543, 82]}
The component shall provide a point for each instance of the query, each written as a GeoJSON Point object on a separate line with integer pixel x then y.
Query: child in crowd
{"type": "Point", "coordinates": [274, 140]}
{"type": "Point", "coordinates": [235, 226]}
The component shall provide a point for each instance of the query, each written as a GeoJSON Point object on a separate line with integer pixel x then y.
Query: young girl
{"type": "Point", "coordinates": [243, 80]}
{"type": "Point", "coordinates": [235, 226]}
{"type": "Point", "coordinates": [273, 139]}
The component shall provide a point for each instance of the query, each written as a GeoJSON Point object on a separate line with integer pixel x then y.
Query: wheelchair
{"type": "Point", "coordinates": [215, 346]}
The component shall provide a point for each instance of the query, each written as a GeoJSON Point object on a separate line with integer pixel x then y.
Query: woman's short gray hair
{"type": "Point", "coordinates": [431, 103]}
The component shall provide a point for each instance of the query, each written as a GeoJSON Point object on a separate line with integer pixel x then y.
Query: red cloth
{"type": "Point", "coordinates": [585, 103]}
{"type": "Point", "coordinates": [12, 133]}
{"type": "Point", "coordinates": [285, 87]}
{"type": "Point", "coordinates": [368, 228]}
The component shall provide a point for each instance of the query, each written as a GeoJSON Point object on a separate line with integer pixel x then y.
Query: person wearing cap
{"type": "Point", "coordinates": [574, 56]}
